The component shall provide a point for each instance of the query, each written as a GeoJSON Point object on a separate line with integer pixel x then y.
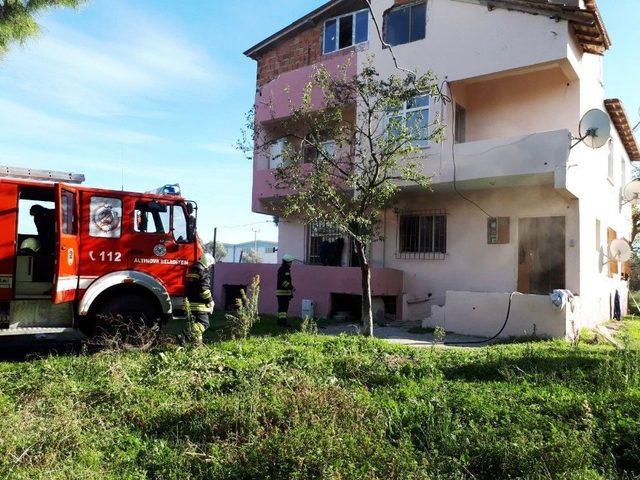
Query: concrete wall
{"type": "Point", "coordinates": [484, 314]}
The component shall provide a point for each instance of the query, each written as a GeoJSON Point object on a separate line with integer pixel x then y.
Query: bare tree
{"type": "Point", "coordinates": [345, 161]}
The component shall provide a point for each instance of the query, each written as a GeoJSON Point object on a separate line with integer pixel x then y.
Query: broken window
{"type": "Point", "coordinates": [422, 236]}
{"type": "Point", "coordinates": [346, 31]}
{"type": "Point", "coordinates": [406, 24]}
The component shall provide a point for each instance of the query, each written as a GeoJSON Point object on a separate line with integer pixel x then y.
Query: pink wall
{"type": "Point", "coordinates": [312, 282]}
{"type": "Point", "coordinates": [272, 100]}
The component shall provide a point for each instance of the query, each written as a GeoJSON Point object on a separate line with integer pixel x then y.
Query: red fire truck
{"type": "Point", "coordinates": [70, 253]}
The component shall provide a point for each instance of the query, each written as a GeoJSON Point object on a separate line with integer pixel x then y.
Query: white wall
{"type": "Point", "coordinates": [464, 40]}
{"type": "Point", "coordinates": [471, 264]}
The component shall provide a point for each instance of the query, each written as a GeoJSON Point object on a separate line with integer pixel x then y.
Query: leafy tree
{"type": "Point", "coordinates": [251, 256]}
{"type": "Point", "coordinates": [18, 22]}
{"type": "Point", "coordinates": [220, 250]}
{"type": "Point", "coordinates": [345, 160]}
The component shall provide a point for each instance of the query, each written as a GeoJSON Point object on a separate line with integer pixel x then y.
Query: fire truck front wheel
{"type": "Point", "coordinates": [123, 310]}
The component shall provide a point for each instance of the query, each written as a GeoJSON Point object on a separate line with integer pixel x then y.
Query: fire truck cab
{"type": "Point", "coordinates": [70, 253]}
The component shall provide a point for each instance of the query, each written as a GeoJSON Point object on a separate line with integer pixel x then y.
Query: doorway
{"type": "Point", "coordinates": [541, 255]}
{"type": "Point", "coordinates": [36, 240]}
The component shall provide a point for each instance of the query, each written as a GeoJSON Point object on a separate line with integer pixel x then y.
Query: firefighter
{"type": "Point", "coordinates": [284, 290]}
{"type": "Point", "coordinates": [45, 221]}
{"type": "Point", "coordinates": [198, 293]}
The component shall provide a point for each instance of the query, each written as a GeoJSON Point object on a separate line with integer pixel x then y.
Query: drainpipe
{"type": "Point", "coordinates": [384, 240]}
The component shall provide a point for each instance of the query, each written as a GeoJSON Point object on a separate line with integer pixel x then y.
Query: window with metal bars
{"type": "Point", "coordinates": [323, 244]}
{"type": "Point", "coordinates": [422, 235]}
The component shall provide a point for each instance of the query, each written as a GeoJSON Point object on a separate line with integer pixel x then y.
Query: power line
{"type": "Point", "coordinates": [445, 99]}
{"type": "Point", "coordinates": [246, 225]}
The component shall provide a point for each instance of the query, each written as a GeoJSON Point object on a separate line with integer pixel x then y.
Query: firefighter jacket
{"type": "Point", "coordinates": [285, 286]}
{"type": "Point", "coordinates": [197, 288]}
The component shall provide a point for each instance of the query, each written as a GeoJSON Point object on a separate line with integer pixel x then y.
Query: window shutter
{"type": "Point", "coordinates": [613, 266]}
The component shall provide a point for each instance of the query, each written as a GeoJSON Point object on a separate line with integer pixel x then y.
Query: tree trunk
{"type": "Point", "coordinates": [367, 313]}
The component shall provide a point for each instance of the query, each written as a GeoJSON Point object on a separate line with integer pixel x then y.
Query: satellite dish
{"type": "Point", "coordinates": [620, 251]}
{"type": "Point", "coordinates": [631, 192]}
{"type": "Point", "coordinates": [595, 128]}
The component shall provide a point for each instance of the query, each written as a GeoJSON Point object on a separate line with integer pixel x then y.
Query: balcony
{"type": "Point", "coordinates": [524, 160]}
{"type": "Point", "coordinates": [273, 99]}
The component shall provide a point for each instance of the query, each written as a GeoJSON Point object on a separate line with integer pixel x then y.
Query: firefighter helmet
{"type": "Point", "coordinates": [207, 260]}
{"type": "Point", "coordinates": [31, 243]}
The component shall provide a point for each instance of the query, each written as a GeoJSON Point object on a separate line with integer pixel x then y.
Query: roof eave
{"type": "Point", "coordinates": [620, 120]}
{"type": "Point", "coordinates": [254, 51]}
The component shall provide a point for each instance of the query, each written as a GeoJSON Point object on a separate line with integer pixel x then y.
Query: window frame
{"type": "Point", "coordinates": [442, 236]}
{"type": "Point", "coordinates": [69, 215]}
{"type": "Point", "coordinates": [329, 146]}
{"type": "Point", "coordinates": [353, 34]}
{"type": "Point", "coordinates": [332, 235]}
{"type": "Point", "coordinates": [611, 167]}
{"type": "Point", "coordinates": [283, 143]}
{"type": "Point", "coordinates": [172, 227]}
{"type": "Point", "coordinates": [169, 229]}
{"type": "Point", "coordinates": [399, 8]}
{"type": "Point", "coordinates": [405, 112]}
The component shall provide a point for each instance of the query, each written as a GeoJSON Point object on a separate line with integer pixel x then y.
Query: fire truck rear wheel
{"type": "Point", "coordinates": [129, 307]}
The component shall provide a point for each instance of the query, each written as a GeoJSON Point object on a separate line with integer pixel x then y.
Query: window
{"type": "Point", "coordinates": [406, 24]}
{"type": "Point", "coordinates": [610, 165]}
{"type": "Point", "coordinates": [346, 31]}
{"type": "Point", "coordinates": [180, 224]}
{"type": "Point", "coordinates": [68, 206]}
{"type": "Point", "coordinates": [412, 120]}
{"type": "Point", "coordinates": [422, 235]}
{"type": "Point", "coordinates": [151, 217]}
{"type": "Point", "coordinates": [460, 124]}
{"type": "Point", "coordinates": [105, 217]}
{"type": "Point", "coordinates": [324, 245]}
{"type": "Point", "coordinates": [311, 153]}
{"type": "Point", "coordinates": [279, 150]}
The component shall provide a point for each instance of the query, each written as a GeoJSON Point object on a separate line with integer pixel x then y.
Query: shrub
{"type": "Point", "coordinates": [246, 315]}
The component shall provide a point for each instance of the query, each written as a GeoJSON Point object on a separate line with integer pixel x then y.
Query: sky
{"type": "Point", "coordinates": [142, 93]}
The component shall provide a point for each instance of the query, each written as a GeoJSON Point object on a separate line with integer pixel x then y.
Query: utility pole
{"type": "Point", "coordinates": [255, 240]}
{"type": "Point", "coordinates": [213, 268]}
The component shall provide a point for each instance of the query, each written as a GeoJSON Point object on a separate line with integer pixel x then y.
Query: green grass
{"type": "Point", "coordinates": [298, 406]}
